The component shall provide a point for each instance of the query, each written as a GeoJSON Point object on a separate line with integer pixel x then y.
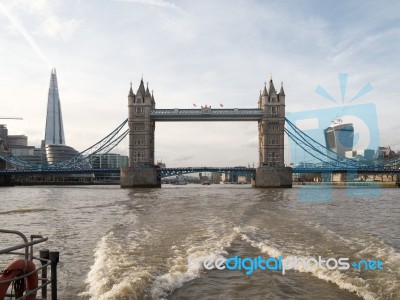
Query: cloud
{"type": "Point", "coordinates": [215, 52]}
{"type": "Point", "coordinates": [209, 76]}
{"type": "Point", "coordinates": [21, 29]}
{"type": "Point", "coordinates": [41, 15]}
{"type": "Point", "coordinates": [58, 29]}
{"type": "Point", "coordinates": [160, 3]}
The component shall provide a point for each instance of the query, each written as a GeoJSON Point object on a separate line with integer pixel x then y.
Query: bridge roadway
{"type": "Point", "coordinates": [165, 172]}
{"type": "Point", "coordinates": [162, 172]}
{"type": "Point", "coordinates": [206, 114]}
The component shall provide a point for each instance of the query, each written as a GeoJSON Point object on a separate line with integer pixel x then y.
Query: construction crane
{"type": "Point", "coordinates": [11, 118]}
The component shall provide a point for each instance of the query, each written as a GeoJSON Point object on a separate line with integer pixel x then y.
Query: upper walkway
{"type": "Point", "coordinates": [207, 114]}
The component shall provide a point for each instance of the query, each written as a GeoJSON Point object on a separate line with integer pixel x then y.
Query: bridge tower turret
{"type": "Point", "coordinates": [271, 127]}
{"type": "Point", "coordinates": [140, 171]}
{"type": "Point", "coordinates": [272, 171]}
{"type": "Point", "coordinates": [141, 128]}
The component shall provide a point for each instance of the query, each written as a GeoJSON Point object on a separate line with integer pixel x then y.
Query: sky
{"type": "Point", "coordinates": [202, 52]}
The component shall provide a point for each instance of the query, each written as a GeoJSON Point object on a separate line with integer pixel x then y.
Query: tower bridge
{"type": "Point", "coordinates": [142, 117]}
{"type": "Point", "coordinates": [269, 113]}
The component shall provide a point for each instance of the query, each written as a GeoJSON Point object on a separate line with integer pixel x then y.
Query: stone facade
{"type": "Point", "coordinates": [141, 127]}
{"type": "Point", "coordinates": [273, 177]}
{"type": "Point", "coordinates": [140, 171]}
{"type": "Point", "coordinates": [139, 177]}
{"type": "Point", "coordinates": [272, 172]}
{"type": "Point", "coordinates": [271, 127]}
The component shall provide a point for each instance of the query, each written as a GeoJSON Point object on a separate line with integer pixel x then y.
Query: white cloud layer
{"type": "Point", "coordinates": [160, 3]}
{"type": "Point", "coordinates": [203, 52]}
{"type": "Point", "coordinates": [58, 29]}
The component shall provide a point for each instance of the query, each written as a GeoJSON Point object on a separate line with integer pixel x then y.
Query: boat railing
{"type": "Point", "coordinates": [46, 258]}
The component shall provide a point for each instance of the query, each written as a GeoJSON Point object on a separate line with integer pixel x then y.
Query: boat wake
{"type": "Point", "coordinates": [123, 269]}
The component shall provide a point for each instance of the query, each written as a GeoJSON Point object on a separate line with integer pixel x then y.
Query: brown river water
{"type": "Point", "coordinates": [135, 243]}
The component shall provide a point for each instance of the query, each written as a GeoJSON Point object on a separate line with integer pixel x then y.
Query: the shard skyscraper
{"type": "Point", "coordinates": [54, 123]}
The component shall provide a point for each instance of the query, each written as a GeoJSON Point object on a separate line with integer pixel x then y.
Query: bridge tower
{"type": "Point", "coordinates": [140, 171]}
{"type": "Point", "coordinates": [141, 127]}
{"type": "Point", "coordinates": [272, 171]}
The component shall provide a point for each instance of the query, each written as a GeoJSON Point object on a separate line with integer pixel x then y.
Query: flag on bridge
{"type": "Point", "coordinates": [194, 105]}
{"type": "Point", "coordinates": [221, 105]}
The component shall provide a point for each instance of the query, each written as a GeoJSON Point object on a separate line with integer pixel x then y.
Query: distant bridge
{"type": "Point", "coordinates": [247, 172]}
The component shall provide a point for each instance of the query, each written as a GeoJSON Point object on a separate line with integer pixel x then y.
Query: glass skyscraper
{"type": "Point", "coordinates": [54, 124]}
{"type": "Point", "coordinates": [339, 137]}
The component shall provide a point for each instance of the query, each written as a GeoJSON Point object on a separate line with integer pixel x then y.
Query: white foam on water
{"type": "Point", "coordinates": [371, 247]}
{"type": "Point", "coordinates": [357, 285]}
{"type": "Point", "coordinates": [386, 282]}
{"type": "Point", "coordinates": [181, 271]}
{"type": "Point", "coordinates": [379, 249]}
{"type": "Point", "coordinates": [119, 273]}
{"type": "Point", "coordinates": [115, 275]}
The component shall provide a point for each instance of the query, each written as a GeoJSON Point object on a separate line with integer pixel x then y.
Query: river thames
{"type": "Point", "coordinates": [135, 243]}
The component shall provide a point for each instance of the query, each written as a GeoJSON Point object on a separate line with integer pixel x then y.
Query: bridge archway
{"type": "Point", "coordinates": [208, 144]}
